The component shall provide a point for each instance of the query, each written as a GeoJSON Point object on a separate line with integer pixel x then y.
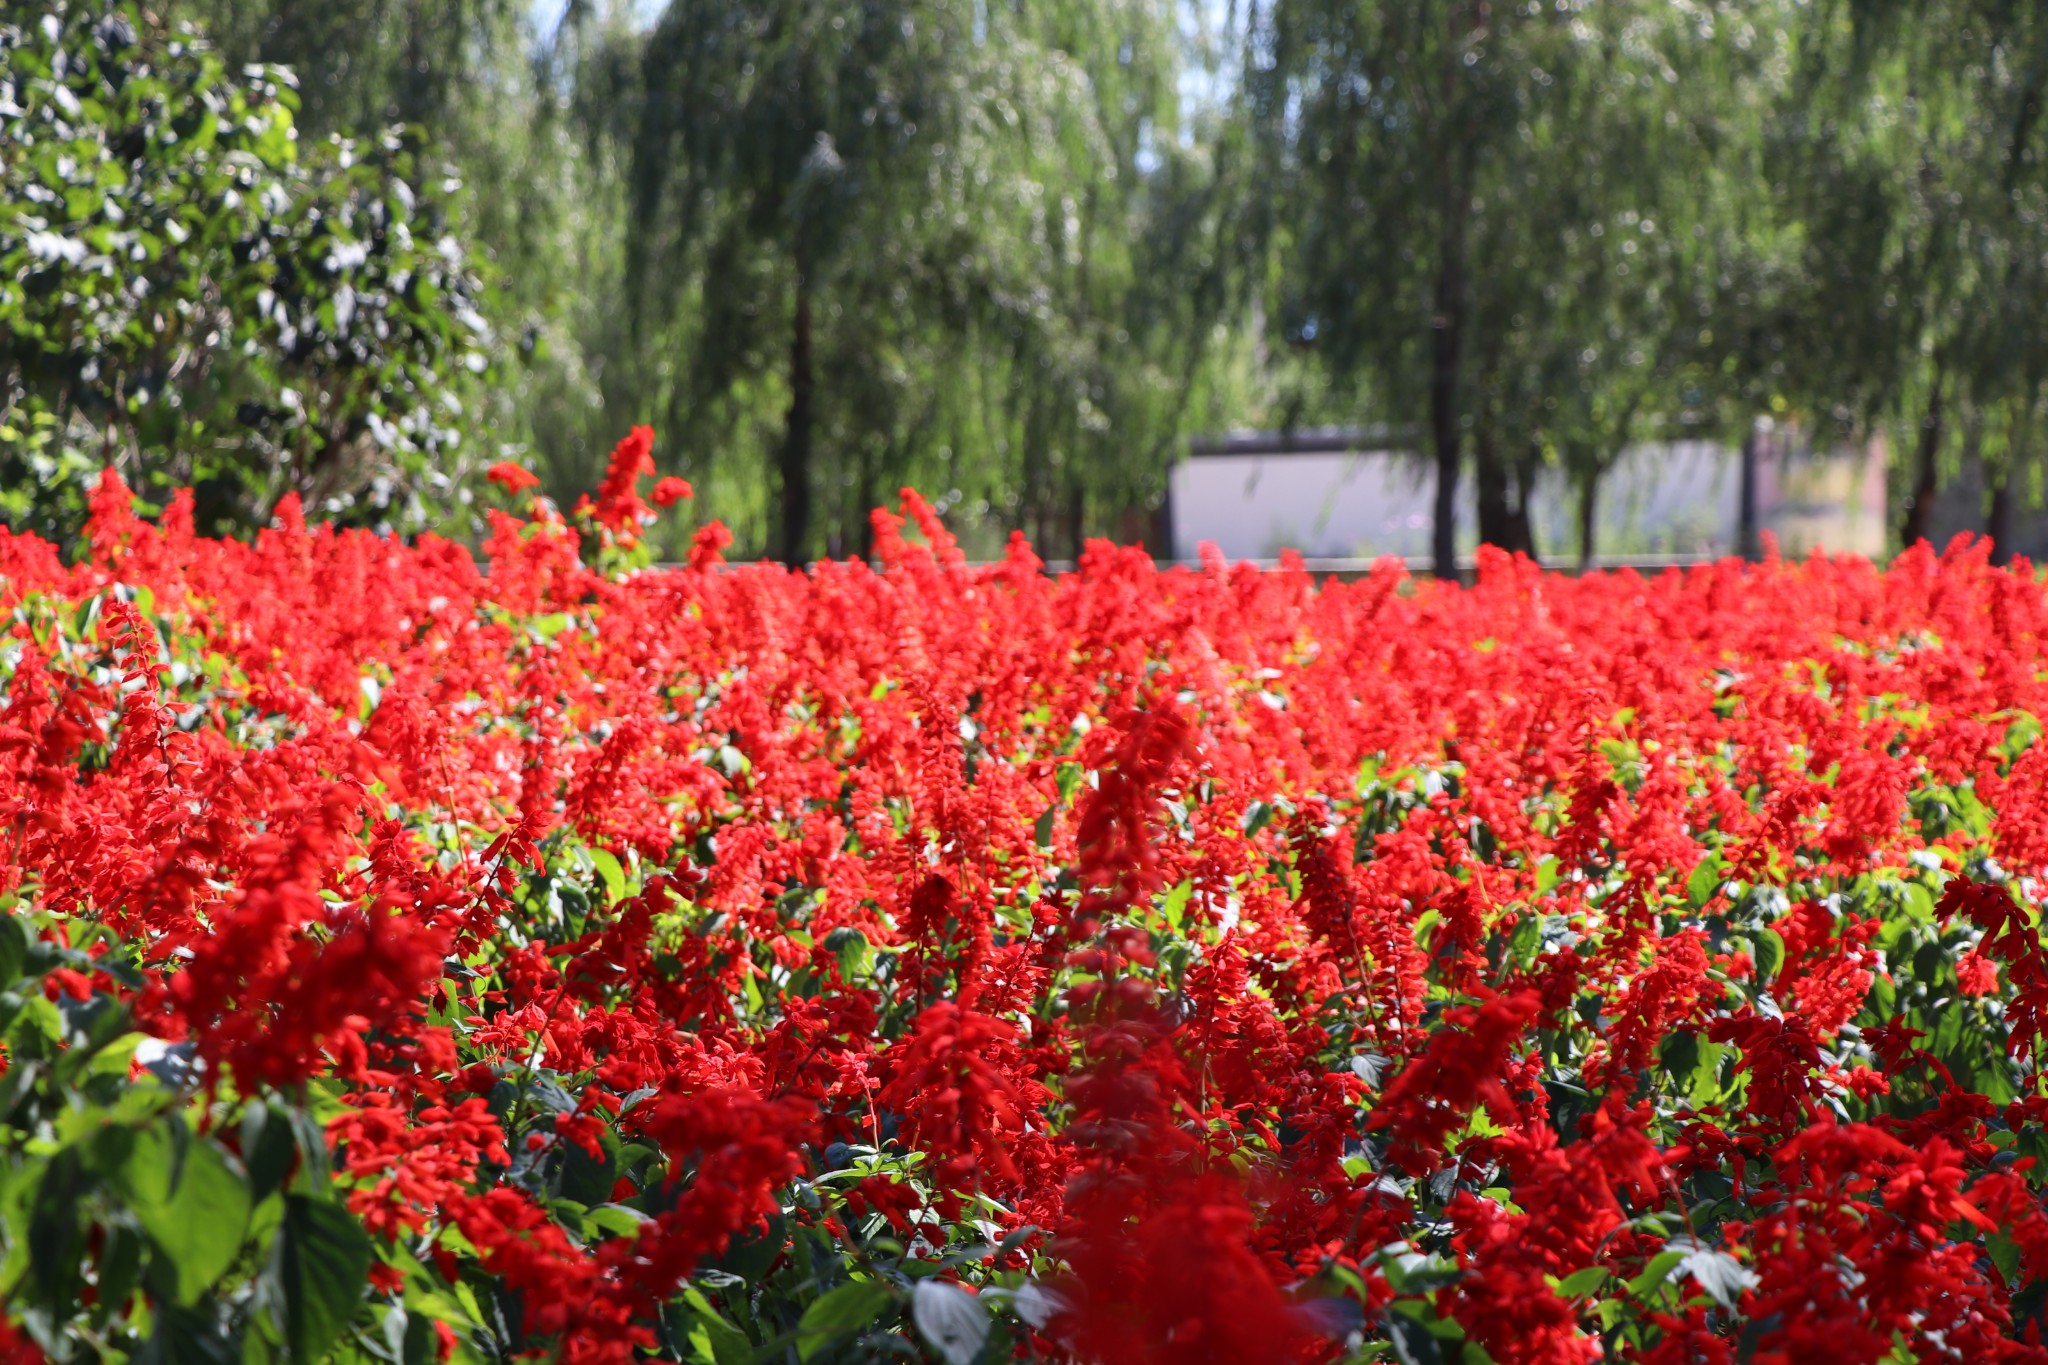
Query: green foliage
{"type": "Point", "coordinates": [1523, 181]}
{"type": "Point", "coordinates": [1910, 145]}
{"type": "Point", "coordinates": [1009, 254]}
{"type": "Point", "coordinates": [207, 1224]}
{"type": "Point", "coordinates": [932, 242]}
{"type": "Point", "coordinates": [189, 295]}
{"type": "Point", "coordinates": [373, 63]}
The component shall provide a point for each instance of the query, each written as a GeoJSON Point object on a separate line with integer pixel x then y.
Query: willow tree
{"type": "Point", "coordinates": [367, 64]}
{"type": "Point", "coordinates": [1475, 218]}
{"type": "Point", "coordinates": [1908, 158]}
{"type": "Point", "coordinates": [911, 239]}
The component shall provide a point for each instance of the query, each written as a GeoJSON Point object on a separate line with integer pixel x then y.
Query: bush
{"type": "Point", "coordinates": [187, 293]}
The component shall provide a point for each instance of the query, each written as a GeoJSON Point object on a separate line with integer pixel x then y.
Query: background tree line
{"type": "Point", "coordinates": [1010, 252]}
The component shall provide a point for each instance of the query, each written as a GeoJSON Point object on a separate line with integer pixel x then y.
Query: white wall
{"type": "Point", "coordinates": [1679, 499]}
{"type": "Point", "coordinates": [1326, 506]}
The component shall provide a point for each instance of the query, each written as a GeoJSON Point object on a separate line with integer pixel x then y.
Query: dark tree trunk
{"type": "Point", "coordinates": [1490, 483]}
{"type": "Point", "coordinates": [1919, 518]}
{"type": "Point", "coordinates": [1589, 508]}
{"type": "Point", "coordinates": [1746, 539]}
{"type": "Point", "coordinates": [865, 494]}
{"type": "Point", "coordinates": [1519, 524]}
{"type": "Point", "coordinates": [1999, 522]}
{"type": "Point", "coordinates": [1447, 326]}
{"type": "Point", "coordinates": [1521, 533]}
{"type": "Point", "coordinates": [1446, 354]}
{"type": "Point", "coordinates": [1998, 518]}
{"type": "Point", "coordinates": [1077, 520]}
{"type": "Point", "coordinates": [794, 465]}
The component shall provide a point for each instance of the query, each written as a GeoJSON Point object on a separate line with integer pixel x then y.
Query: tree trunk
{"type": "Point", "coordinates": [1077, 519]}
{"type": "Point", "coordinates": [1919, 518]}
{"type": "Point", "coordinates": [1746, 538]}
{"type": "Point", "coordinates": [1520, 526]}
{"type": "Point", "coordinates": [1446, 354]}
{"type": "Point", "coordinates": [794, 465]}
{"type": "Point", "coordinates": [1998, 518]}
{"type": "Point", "coordinates": [1447, 325]}
{"type": "Point", "coordinates": [1589, 507]}
{"type": "Point", "coordinates": [1490, 482]}
{"type": "Point", "coordinates": [865, 495]}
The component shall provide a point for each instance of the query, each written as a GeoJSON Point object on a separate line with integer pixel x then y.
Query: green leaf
{"type": "Point", "coordinates": [1704, 881]}
{"type": "Point", "coordinates": [198, 1222]}
{"type": "Point", "coordinates": [1256, 817]}
{"type": "Point", "coordinates": [120, 1263]}
{"type": "Point", "coordinates": [844, 1310]}
{"type": "Point", "coordinates": [1414, 1330]}
{"type": "Point", "coordinates": [267, 1144]}
{"type": "Point", "coordinates": [1770, 955]}
{"type": "Point", "coordinates": [14, 941]}
{"type": "Point", "coordinates": [54, 1238]}
{"type": "Point", "coordinates": [37, 1030]}
{"type": "Point", "coordinates": [714, 1341]}
{"type": "Point", "coordinates": [954, 1321]}
{"type": "Point", "coordinates": [1693, 1064]}
{"type": "Point", "coordinates": [1919, 902]}
{"type": "Point", "coordinates": [617, 1219]}
{"type": "Point", "coordinates": [187, 1336]}
{"type": "Point", "coordinates": [425, 1302]}
{"type": "Point", "coordinates": [851, 947]}
{"type": "Point", "coordinates": [2005, 1254]}
{"type": "Point", "coordinates": [1719, 1274]}
{"type": "Point", "coordinates": [323, 1264]}
{"type": "Point", "coordinates": [1527, 940]}
{"type": "Point", "coordinates": [614, 876]}
{"type": "Point", "coordinates": [1582, 1282]}
{"type": "Point", "coordinates": [312, 1143]}
{"type": "Point", "coordinates": [587, 1179]}
{"type": "Point", "coordinates": [1176, 904]}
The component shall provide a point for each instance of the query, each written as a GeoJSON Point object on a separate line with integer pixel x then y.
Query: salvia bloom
{"type": "Point", "coordinates": [414, 956]}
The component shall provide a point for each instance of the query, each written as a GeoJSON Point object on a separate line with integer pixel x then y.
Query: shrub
{"type": "Point", "coordinates": [189, 294]}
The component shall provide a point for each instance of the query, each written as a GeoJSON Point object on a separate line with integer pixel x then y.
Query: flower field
{"type": "Point", "coordinates": [414, 958]}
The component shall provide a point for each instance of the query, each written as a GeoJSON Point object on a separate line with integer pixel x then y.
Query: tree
{"type": "Point", "coordinates": [371, 64]}
{"type": "Point", "coordinates": [485, 92]}
{"type": "Point", "coordinates": [1584, 242]}
{"type": "Point", "coordinates": [925, 240]}
{"type": "Point", "coordinates": [187, 294]}
{"type": "Point", "coordinates": [1908, 143]}
{"type": "Point", "coordinates": [1465, 182]}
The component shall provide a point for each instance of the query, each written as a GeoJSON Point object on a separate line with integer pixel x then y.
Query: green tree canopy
{"type": "Point", "coordinates": [190, 295]}
{"type": "Point", "coordinates": [940, 241]}
{"type": "Point", "coordinates": [1484, 214]}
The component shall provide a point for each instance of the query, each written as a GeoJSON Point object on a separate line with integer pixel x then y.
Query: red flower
{"type": "Point", "coordinates": [1279, 959]}
{"type": "Point", "coordinates": [672, 490]}
{"type": "Point", "coordinates": [1181, 1284]}
{"type": "Point", "coordinates": [511, 477]}
{"type": "Point", "coordinates": [1461, 1067]}
{"type": "Point", "coordinates": [708, 547]}
{"type": "Point", "coordinates": [949, 1083]}
{"type": "Point", "coordinates": [618, 507]}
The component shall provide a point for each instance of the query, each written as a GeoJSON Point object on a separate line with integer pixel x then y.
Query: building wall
{"type": "Point", "coordinates": [1960, 509]}
{"type": "Point", "coordinates": [1680, 499]}
{"type": "Point", "coordinates": [1835, 503]}
{"type": "Point", "coordinates": [1324, 505]}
